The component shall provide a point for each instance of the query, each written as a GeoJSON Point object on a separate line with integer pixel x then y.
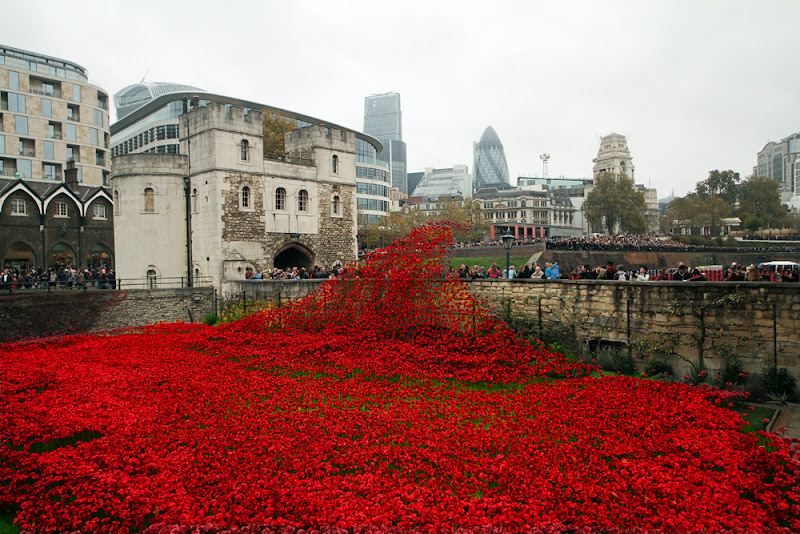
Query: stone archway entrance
{"type": "Point", "coordinates": [19, 256]}
{"type": "Point", "coordinates": [294, 255]}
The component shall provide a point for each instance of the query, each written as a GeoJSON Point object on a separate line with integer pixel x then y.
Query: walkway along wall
{"type": "Point", "coordinates": [33, 314]}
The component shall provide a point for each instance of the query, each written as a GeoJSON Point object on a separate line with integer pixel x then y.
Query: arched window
{"type": "Point", "coordinates": [302, 200]}
{"type": "Point", "coordinates": [245, 196]}
{"type": "Point", "coordinates": [194, 200]}
{"type": "Point", "coordinates": [244, 145]}
{"type": "Point", "coordinates": [335, 205]}
{"type": "Point", "coordinates": [116, 202]}
{"type": "Point", "coordinates": [335, 163]}
{"type": "Point", "coordinates": [152, 278]}
{"type": "Point", "coordinates": [149, 199]}
{"type": "Point", "coordinates": [280, 199]}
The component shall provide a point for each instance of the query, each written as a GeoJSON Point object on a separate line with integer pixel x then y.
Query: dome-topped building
{"type": "Point", "coordinates": [489, 162]}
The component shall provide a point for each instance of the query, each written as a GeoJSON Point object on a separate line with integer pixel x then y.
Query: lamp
{"type": "Point", "coordinates": [508, 242]}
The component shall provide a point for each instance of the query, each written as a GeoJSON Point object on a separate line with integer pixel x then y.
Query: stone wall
{"type": "Point", "coordinates": [757, 321]}
{"type": "Point", "coordinates": [33, 314]}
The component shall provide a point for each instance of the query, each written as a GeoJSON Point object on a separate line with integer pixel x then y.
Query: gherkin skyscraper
{"type": "Point", "coordinates": [489, 162]}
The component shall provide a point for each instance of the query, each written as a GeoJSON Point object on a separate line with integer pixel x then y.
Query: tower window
{"type": "Point", "coordinates": [335, 163]}
{"type": "Point", "coordinates": [244, 145]}
{"type": "Point", "coordinates": [245, 195]}
{"type": "Point", "coordinates": [149, 199]}
{"type": "Point", "coordinates": [280, 199]}
{"type": "Point", "coordinates": [335, 208]}
{"type": "Point", "coordinates": [302, 200]}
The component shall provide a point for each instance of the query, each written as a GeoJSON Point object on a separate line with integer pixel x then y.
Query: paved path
{"type": "Point", "coordinates": [788, 418]}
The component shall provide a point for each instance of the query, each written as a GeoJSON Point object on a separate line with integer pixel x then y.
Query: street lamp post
{"type": "Point", "coordinates": [508, 242]}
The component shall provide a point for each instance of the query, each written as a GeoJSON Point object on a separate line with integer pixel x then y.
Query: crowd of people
{"type": "Point", "coordinates": [60, 276]}
{"type": "Point", "coordinates": [609, 271]}
{"type": "Point", "coordinates": [650, 243]}
{"type": "Point", "coordinates": [293, 273]}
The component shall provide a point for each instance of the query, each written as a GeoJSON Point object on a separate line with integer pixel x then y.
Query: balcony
{"type": "Point", "coordinates": [56, 136]}
{"type": "Point", "coordinates": [27, 152]}
{"type": "Point", "coordinates": [44, 92]}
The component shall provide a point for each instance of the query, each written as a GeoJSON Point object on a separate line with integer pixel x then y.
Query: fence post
{"type": "Point", "coordinates": [244, 302]}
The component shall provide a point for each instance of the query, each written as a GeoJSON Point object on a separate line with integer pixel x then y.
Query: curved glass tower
{"type": "Point", "coordinates": [489, 162]}
{"type": "Point", "coordinates": [130, 98]}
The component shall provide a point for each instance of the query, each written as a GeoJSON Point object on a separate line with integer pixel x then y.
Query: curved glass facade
{"type": "Point", "coordinates": [490, 166]}
{"type": "Point", "coordinates": [131, 98]}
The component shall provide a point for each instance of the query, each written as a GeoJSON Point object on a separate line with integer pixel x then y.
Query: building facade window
{"type": "Point", "coordinates": [99, 158]}
{"type": "Point", "coordinates": [50, 171]}
{"type": "Point", "coordinates": [244, 146]}
{"type": "Point", "coordinates": [245, 201]}
{"type": "Point", "coordinates": [335, 164]}
{"type": "Point", "coordinates": [99, 211]}
{"type": "Point", "coordinates": [280, 199]}
{"type": "Point", "coordinates": [76, 92]}
{"type": "Point", "coordinates": [93, 138]}
{"type": "Point", "coordinates": [73, 153]}
{"type": "Point", "coordinates": [70, 132]}
{"type": "Point", "coordinates": [49, 150]}
{"type": "Point", "coordinates": [98, 118]}
{"type": "Point", "coordinates": [47, 108]}
{"type": "Point", "coordinates": [24, 168]}
{"type": "Point", "coordinates": [302, 200]}
{"type": "Point", "coordinates": [21, 125]}
{"type": "Point", "coordinates": [149, 199]}
{"type": "Point", "coordinates": [2, 144]}
{"type": "Point", "coordinates": [13, 80]}
{"type": "Point", "coordinates": [116, 202]}
{"type": "Point", "coordinates": [61, 209]}
{"type": "Point", "coordinates": [194, 200]}
{"type": "Point", "coordinates": [19, 207]}
{"type": "Point", "coordinates": [335, 205]}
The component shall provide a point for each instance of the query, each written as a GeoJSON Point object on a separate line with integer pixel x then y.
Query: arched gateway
{"type": "Point", "coordinates": [294, 255]}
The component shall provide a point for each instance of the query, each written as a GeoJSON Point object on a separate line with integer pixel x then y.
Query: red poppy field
{"type": "Point", "coordinates": [376, 404]}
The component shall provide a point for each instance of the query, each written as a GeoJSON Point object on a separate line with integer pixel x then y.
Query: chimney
{"type": "Point", "coordinates": [71, 175]}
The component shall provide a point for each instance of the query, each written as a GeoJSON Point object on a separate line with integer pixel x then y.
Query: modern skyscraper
{"type": "Point", "coordinates": [781, 161]}
{"type": "Point", "coordinates": [383, 121]}
{"type": "Point", "coordinates": [489, 162]}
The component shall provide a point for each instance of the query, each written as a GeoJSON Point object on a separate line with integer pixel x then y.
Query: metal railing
{"type": "Point", "coordinates": [93, 284]}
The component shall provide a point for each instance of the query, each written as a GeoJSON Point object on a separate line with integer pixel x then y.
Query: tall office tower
{"type": "Point", "coordinates": [383, 121]}
{"type": "Point", "coordinates": [489, 162]}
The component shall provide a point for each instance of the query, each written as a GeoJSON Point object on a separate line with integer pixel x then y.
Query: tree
{"type": "Point", "coordinates": [615, 203]}
{"type": "Point", "coordinates": [469, 213]}
{"type": "Point", "coordinates": [722, 184]}
{"type": "Point", "coordinates": [685, 212]}
{"type": "Point", "coordinates": [274, 127]}
{"type": "Point", "coordinates": [760, 197]}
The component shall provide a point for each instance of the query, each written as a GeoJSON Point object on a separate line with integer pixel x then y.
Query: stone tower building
{"type": "Point", "coordinates": [613, 156]}
{"type": "Point", "coordinates": [221, 207]}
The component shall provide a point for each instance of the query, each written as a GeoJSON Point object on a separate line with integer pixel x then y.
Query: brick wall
{"type": "Point", "coordinates": [31, 314]}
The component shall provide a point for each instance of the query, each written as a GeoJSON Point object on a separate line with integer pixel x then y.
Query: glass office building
{"type": "Point", "coordinates": [489, 162]}
{"type": "Point", "coordinates": [383, 121]}
{"type": "Point", "coordinates": [453, 182]}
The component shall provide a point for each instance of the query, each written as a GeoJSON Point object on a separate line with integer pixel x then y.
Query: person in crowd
{"type": "Point", "coordinates": [463, 271]}
{"type": "Point", "coordinates": [555, 272]}
{"type": "Point", "coordinates": [752, 274]}
{"type": "Point", "coordinates": [697, 276]}
{"type": "Point", "coordinates": [494, 271]}
{"type": "Point", "coordinates": [538, 273]}
{"type": "Point", "coordinates": [620, 274]}
{"type": "Point", "coordinates": [642, 275]}
{"type": "Point", "coordinates": [682, 274]}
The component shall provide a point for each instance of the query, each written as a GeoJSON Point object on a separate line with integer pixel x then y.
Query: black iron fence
{"type": "Point", "coordinates": [150, 282]}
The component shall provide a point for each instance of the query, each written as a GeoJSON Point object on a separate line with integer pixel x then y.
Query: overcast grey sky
{"type": "Point", "coordinates": [694, 85]}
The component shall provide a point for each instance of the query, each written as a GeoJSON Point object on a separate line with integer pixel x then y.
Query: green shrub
{"type": "Point", "coordinates": [778, 383]}
{"type": "Point", "coordinates": [733, 372]}
{"type": "Point", "coordinates": [617, 361]}
{"type": "Point", "coordinates": [658, 367]}
{"type": "Point", "coordinates": [697, 374]}
{"type": "Point", "coordinates": [211, 319]}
